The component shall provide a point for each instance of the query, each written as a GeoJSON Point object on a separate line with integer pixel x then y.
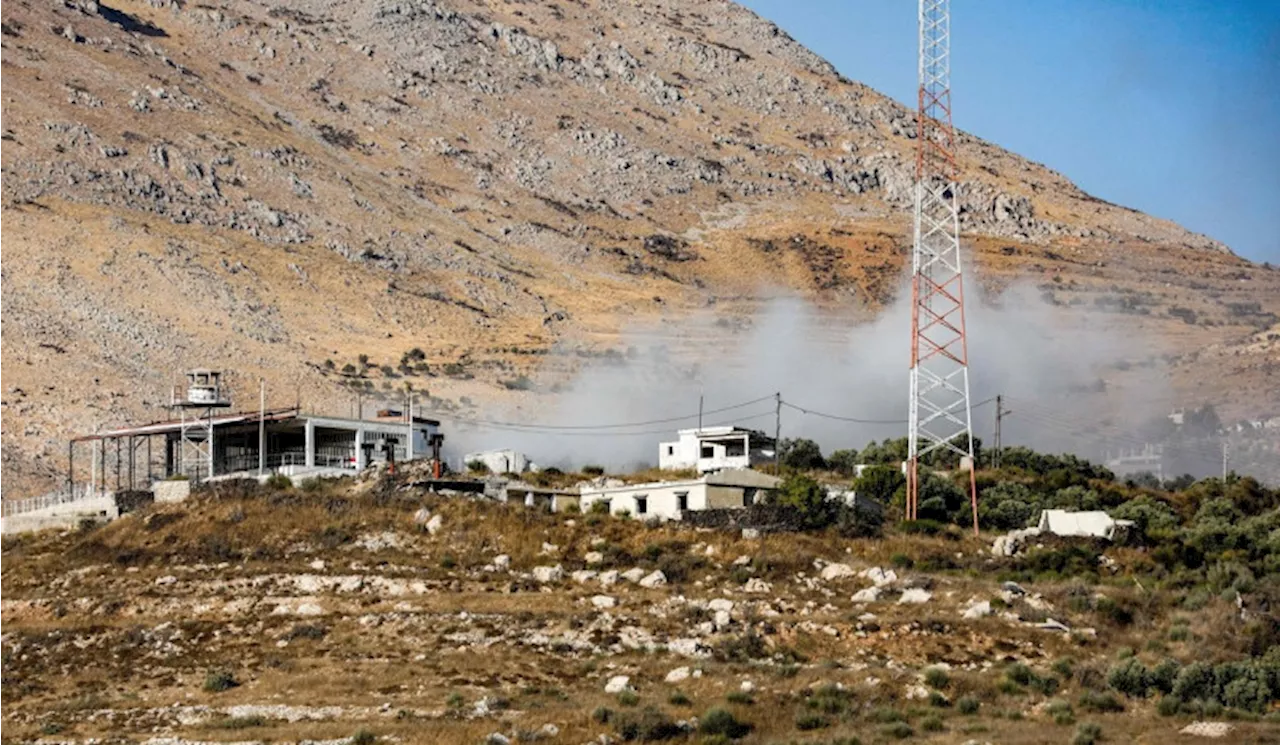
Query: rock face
{"type": "Point", "coordinates": [397, 165]}
{"type": "Point", "coordinates": [837, 571]}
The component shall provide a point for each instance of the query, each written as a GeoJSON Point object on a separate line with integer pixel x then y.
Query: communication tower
{"type": "Point", "coordinates": [939, 415]}
{"type": "Point", "coordinates": [204, 396]}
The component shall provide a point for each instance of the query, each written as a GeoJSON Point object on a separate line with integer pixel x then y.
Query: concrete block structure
{"type": "Point", "coordinates": [715, 448]}
{"type": "Point", "coordinates": [668, 500]}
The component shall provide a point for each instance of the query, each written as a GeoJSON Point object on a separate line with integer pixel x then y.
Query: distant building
{"type": "Point", "coordinates": [715, 448]}
{"type": "Point", "coordinates": [501, 461]}
{"type": "Point", "coordinates": [668, 500]}
{"type": "Point", "coordinates": [1093, 524]}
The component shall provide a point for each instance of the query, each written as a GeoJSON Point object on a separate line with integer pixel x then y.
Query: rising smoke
{"type": "Point", "coordinates": [1053, 360]}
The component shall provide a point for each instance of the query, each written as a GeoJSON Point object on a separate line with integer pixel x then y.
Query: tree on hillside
{"type": "Point", "coordinates": [843, 462]}
{"type": "Point", "coordinates": [808, 498]}
{"type": "Point", "coordinates": [880, 483]}
{"type": "Point", "coordinates": [801, 455]}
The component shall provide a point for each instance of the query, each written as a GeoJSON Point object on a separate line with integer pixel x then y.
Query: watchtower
{"type": "Point", "coordinates": [195, 440]}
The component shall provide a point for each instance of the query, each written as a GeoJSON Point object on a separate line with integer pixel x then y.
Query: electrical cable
{"type": "Point", "coordinates": [622, 425]}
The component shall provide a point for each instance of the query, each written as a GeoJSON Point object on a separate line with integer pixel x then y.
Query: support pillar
{"type": "Point", "coordinates": [311, 444]}
{"type": "Point", "coordinates": [71, 467]}
{"type": "Point", "coordinates": [360, 461]}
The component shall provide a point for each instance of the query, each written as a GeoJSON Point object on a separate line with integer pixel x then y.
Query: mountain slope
{"type": "Point", "coordinates": [264, 188]}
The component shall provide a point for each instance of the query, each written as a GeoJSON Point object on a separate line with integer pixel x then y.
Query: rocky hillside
{"type": "Point", "coordinates": [353, 612]}
{"type": "Point", "coordinates": [439, 193]}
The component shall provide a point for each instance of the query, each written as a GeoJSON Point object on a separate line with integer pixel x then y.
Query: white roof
{"type": "Point", "coordinates": [1096, 523]}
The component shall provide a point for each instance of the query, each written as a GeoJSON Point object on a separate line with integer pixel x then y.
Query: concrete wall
{"type": "Point", "coordinates": [171, 491]}
{"type": "Point", "coordinates": [62, 516]}
{"type": "Point", "coordinates": [661, 500]}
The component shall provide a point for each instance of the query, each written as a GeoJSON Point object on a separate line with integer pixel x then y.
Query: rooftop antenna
{"type": "Point", "coordinates": [939, 417]}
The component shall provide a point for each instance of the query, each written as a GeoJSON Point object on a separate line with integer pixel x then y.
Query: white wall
{"type": "Point", "coordinates": [662, 499]}
{"type": "Point", "coordinates": [687, 453]}
{"type": "Point", "coordinates": [500, 461]}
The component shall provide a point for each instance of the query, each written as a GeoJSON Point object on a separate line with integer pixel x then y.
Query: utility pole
{"type": "Point", "coordinates": [777, 434]}
{"type": "Point", "coordinates": [1226, 450]}
{"type": "Point", "coordinates": [699, 412]}
{"type": "Point", "coordinates": [262, 426]}
{"type": "Point", "coordinates": [997, 459]}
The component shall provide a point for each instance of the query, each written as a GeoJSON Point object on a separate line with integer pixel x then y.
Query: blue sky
{"type": "Point", "coordinates": [1168, 106]}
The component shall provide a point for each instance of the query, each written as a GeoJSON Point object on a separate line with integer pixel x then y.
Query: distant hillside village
{"type": "Point", "coordinates": [706, 469]}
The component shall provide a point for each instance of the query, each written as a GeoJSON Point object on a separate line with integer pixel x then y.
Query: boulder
{"type": "Point", "coordinates": [634, 574]}
{"type": "Point", "coordinates": [1207, 729]}
{"type": "Point", "coordinates": [609, 578]}
{"type": "Point", "coordinates": [837, 571]}
{"type": "Point", "coordinates": [502, 561]}
{"type": "Point", "coordinates": [548, 574]}
{"type": "Point", "coordinates": [604, 601]}
{"type": "Point", "coordinates": [583, 576]}
{"type": "Point", "coordinates": [977, 610]}
{"type": "Point", "coordinates": [914, 596]}
{"type": "Point", "coordinates": [678, 675]}
{"type": "Point", "coordinates": [618, 684]}
{"type": "Point", "coordinates": [594, 557]}
{"type": "Point", "coordinates": [435, 524]}
{"type": "Point", "coordinates": [721, 604]}
{"type": "Point", "coordinates": [757, 585]}
{"type": "Point", "coordinates": [869, 595]}
{"type": "Point", "coordinates": [880, 577]}
{"type": "Point", "coordinates": [656, 579]}
{"type": "Point", "coordinates": [750, 534]}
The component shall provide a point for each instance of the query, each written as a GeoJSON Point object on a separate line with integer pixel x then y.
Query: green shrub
{"type": "Point", "coordinates": [311, 485]}
{"type": "Point", "coordinates": [593, 470]}
{"type": "Point", "coordinates": [448, 561]}
{"type": "Point", "coordinates": [279, 482]}
{"type": "Point", "coordinates": [677, 698]}
{"type": "Point", "coordinates": [1162, 676]}
{"type": "Point", "coordinates": [217, 681]}
{"type": "Point", "coordinates": [722, 722]}
{"type": "Point", "coordinates": [364, 737]}
{"type": "Point", "coordinates": [1087, 734]}
{"type": "Point", "coordinates": [902, 561]}
{"type": "Point", "coordinates": [740, 697]}
{"type": "Point", "coordinates": [1129, 677]}
{"type": "Point", "coordinates": [1019, 673]}
{"type": "Point", "coordinates": [830, 699]}
{"type": "Point", "coordinates": [1195, 681]}
{"type": "Point", "coordinates": [885, 715]}
{"type": "Point", "coordinates": [1168, 706]}
{"type": "Point", "coordinates": [931, 723]}
{"type": "Point", "coordinates": [1061, 712]}
{"type": "Point", "coordinates": [900, 730]}
{"type": "Point", "coordinates": [248, 722]}
{"type": "Point", "coordinates": [937, 700]}
{"type": "Point", "coordinates": [628, 698]}
{"type": "Point", "coordinates": [806, 721]}
{"type": "Point", "coordinates": [936, 677]}
{"type": "Point", "coordinates": [603, 714]}
{"type": "Point", "coordinates": [649, 725]}
{"type": "Point", "coordinates": [968, 705]}
{"type": "Point", "coordinates": [1064, 668]}
{"type": "Point", "coordinates": [1099, 702]}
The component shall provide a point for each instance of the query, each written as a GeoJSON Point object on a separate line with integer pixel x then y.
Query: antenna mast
{"type": "Point", "coordinates": [939, 416]}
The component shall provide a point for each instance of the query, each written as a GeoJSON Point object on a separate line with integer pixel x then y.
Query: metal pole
{"type": "Point", "coordinates": [262, 426]}
{"type": "Point", "coordinates": [699, 412]}
{"type": "Point", "coordinates": [133, 452]}
{"type": "Point", "coordinates": [71, 466]}
{"type": "Point", "coordinates": [149, 477]}
{"type": "Point", "coordinates": [777, 434]}
{"type": "Point", "coordinates": [117, 439]}
{"type": "Point", "coordinates": [409, 448]}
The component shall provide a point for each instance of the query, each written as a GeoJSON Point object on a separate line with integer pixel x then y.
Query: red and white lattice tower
{"type": "Point", "coordinates": [939, 417]}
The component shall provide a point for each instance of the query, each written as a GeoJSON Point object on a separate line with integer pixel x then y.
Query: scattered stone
{"type": "Point", "coordinates": [880, 577]}
{"type": "Point", "coordinates": [318, 564]}
{"type": "Point", "coordinates": [594, 557]}
{"type": "Point", "coordinates": [837, 571]}
{"type": "Point", "coordinates": [618, 684]}
{"type": "Point", "coordinates": [747, 686]}
{"type": "Point", "coordinates": [1207, 729]}
{"type": "Point", "coordinates": [1051, 625]}
{"type": "Point", "coordinates": [1013, 588]}
{"type": "Point", "coordinates": [422, 516]}
{"type": "Point", "coordinates": [750, 534]}
{"type": "Point", "coordinates": [757, 585]}
{"type": "Point", "coordinates": [914, 596]}
{"type": "Point", "coordinates": [634, 574]}
{"type": "Point", "coordinates": [869, 595]}
{"type": "Point", "coordinates": [548, 574]}
{"type": "Point", "coordinates": [721, 604]}
{"type": "Point", "coordinates": [977, 610]}
{"type": "Point", "coordinates": [549, 548]}
{"type": "Point", "coordinates": [656, 579]}
{"type": "Point", "coordinates": [167, 580]}
{"type": "Point", "coordinates": [678, 675]}
{"type": "Point", "coordinates": [916, 691]}
{"type": "Point", "coordinates": [604, 601]}
{"type": "Point", "coordinates": [502, 561]}
{"type": "Point", "coordinates": [549, 730]}
{"type": "Point", "coordinates": [609, 578]}
{"type": "Point", "coordinates": [435, 524]}
{"type": "Point", "coordinates": [497, 738]}
{"type": "Point", "coordinates": [582, 576]}
{"type": "Point", "coordinates": [742, 561]}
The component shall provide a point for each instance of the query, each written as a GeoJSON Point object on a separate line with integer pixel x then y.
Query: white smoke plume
{"type": "Point", "coordinates": [1048, 359]}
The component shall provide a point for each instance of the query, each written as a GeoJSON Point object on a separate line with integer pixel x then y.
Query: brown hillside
{"type": "Point", "coordinates": [264, 188]}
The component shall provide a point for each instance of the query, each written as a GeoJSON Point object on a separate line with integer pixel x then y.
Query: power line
{"type": "Point", "coordinates": [857, 420]}
{"type": "Point", "coordinates": [571, 433]}
{"type": "Point", "coordinates": [620, 425]}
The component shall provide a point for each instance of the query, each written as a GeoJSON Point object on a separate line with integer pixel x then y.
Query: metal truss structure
{"type": "Point", "coordinates": [939, 416]}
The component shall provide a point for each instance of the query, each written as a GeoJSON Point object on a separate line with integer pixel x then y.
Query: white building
{"type": "Point", "coordinates": [1093, 524]}
{"type": "Point", "coordinates": [666, 500]}
{"type": "Point", "coordinates": [714, 448]}
{"type": "Point", "coordinates": [501, 461]}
